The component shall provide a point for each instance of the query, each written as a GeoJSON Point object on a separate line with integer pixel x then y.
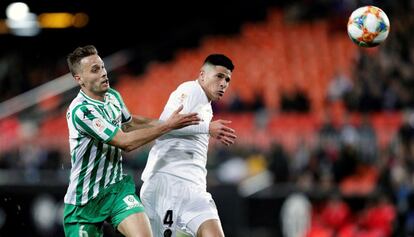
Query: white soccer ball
{"type": "Point", "coordinates": [368, 26]}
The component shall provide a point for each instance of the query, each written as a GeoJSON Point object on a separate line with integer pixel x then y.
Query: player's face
{"type": "Point", "coordinates": [92, 76]}
{"type": "Point", "coordinates": [215, 80]}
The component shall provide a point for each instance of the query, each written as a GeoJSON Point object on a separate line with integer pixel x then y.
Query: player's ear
{"type": "Point", "coordinates": [78, 80]}
{"type": "Point", "coordinates": [202, 74]}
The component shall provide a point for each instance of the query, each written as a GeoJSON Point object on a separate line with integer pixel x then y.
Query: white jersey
{"type": "Point", "coordinates": [95, 164]}
{"type": "Point", "coordinates": [183, 152]}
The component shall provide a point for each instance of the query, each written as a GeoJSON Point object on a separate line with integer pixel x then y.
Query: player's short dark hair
{"type": "Point", "coordinates": [73, 59]}
{"type": "Point", "coordinates": [219, 60]}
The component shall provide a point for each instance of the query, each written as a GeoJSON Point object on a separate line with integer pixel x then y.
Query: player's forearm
{"type": "Point", "coordinates": [129, 141]}
{"type": "Point", "coordinates": [139, 122]}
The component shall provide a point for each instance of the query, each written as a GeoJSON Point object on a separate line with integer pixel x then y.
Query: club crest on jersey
{"type": "Point", "coordinates": [131, 202]}
{"type": "Point", "coordinates": [98, 125]}
{"type": "Point", "coordinates": [182, 98]}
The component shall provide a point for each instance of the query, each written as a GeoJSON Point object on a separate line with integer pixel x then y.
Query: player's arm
{"type": "Point", "coordinates": [189, 98]}
{"type": "Point", "coordinates": [217, 129]}
{"type": "Point", "coordinates": [201, 128]}
{"type": "Point", "coordinates": [129, 141]}
{"type": "Point", "coordinates": [139, 122]}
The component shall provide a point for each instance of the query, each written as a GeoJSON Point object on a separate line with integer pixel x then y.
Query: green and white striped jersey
{"type": "Point", "coordinates": [95, 164]}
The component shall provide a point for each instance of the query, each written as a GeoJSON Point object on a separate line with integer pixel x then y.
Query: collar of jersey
{"type": "Point", "coordinates": [89, 99]}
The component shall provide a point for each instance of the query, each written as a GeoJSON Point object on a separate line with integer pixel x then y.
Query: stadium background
{"type": "Point", "coordinates": [321, 123]}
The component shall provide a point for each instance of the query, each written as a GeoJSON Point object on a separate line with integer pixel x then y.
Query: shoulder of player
{"type": "Point", "coordinates": [83, 109]}
{"type": "Point", "coordinates": [114, 95]}
{"type": "Point", "coordinates": [189, 87]}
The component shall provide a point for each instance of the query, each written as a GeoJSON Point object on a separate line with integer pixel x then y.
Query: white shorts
{"type": "Point", "coordinates": [175, 204]}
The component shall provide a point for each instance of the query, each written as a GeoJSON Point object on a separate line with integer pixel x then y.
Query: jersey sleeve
{"type": "Point", "coordinates": [87, 119]}
{"type": "Point", "coordinates": [186, 96]}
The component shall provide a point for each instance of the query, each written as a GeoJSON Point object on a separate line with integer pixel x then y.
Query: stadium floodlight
{"type": "Point", "coordinates": [21, 21]}
{"type": "Point", "coordinates": [17, 11]}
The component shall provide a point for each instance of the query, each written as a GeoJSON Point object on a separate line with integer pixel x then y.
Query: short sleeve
{"type": "Point", "coordinates": [87, 119]}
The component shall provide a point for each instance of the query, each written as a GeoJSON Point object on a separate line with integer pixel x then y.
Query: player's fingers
{"type": "Point", "coordinates": [191, 116]}
{"type": "Point", "coordinates": [194, 121]}
{"type": "Point", "coordinates": [226, 141]}
{"type": "Point", "coordinates": [230, 135]}
{"type": "Point", "coordinates": [191, 122]}
{"type": "Point", "coordinates": [178, 109]}
{"type": "Point", "coordinates": [188, 123]}
{"type": "Point", "coordinates": [223, 142]}
{"type": "Point", "coordinates": [194, 118]}
{"type": "Point", "coordinates": [222, 121]}
{"type": "Point", "coordinates": [228, 129]}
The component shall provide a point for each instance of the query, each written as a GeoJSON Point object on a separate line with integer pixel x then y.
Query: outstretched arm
{"type": "Point", "coordinates": [200, 128]}
{"type": "Point", "coordinates": [129, 141]}
{"type": "Point", "coordinates": [139, 122]}
{"type": "Point", "coordinates": [217, 129]}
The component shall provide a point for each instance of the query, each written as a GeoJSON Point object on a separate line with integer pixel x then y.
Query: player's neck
{"type": "Point", "coordinates": [99, 97]}
{"type": "Point", "coordinates": [204, 90]}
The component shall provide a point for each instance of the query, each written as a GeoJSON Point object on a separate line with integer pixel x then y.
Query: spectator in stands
{"type": "Point", "coordinates": [100, 126]}
{"type": "Point", "coordinates": [367, 140]}
{"type": "Point", "coordinates": [295, 101]}
{"type": "Point", "coordinates": [339, 86]}
{"type": "Point", "coordinates": [279, 163]}
{"type": "Point", "coordinates": [236, 103]}
{"type": "Point", "coordinates": [328, 147]}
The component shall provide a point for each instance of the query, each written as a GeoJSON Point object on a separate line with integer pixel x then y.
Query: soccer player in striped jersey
{"type": "Point", "coordinates": [174, 192]}
{"type": "Point", "coordinates": [100, 127]}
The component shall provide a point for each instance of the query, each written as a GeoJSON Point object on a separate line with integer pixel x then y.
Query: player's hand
{"type": "Point", "coordinates": [177, 120]}
{"type": "Point", "coordinates": [221, 132]}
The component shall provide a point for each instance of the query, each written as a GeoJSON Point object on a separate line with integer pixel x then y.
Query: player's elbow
{"type": "Point", "coordinates": [128, 148]}
{"type": "Point", "coordinates": [123, 141]}
{"type": "Point", "coordinates": [126, 145]}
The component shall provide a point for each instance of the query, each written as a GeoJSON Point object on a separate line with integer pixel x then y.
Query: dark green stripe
{"type": "Point", "coordinates": [108, 132]}
{"type": "Point", "coordinates": [107, 160]}
{"type": "Point", "coordinates": [113, 158]}
{"type": "Point", "coordinates": [117, 96]}
{"type": "Point", "coordinates": [107, 116]}
{"type": "Point", "coordinates": [74, 113]}
{"type": "Point", "coordinates": [95, 169]}
{"type": "Point", "coordinates": [82, 173]}
{"type": "Point", "coordinates": [118, 177]}
{"type": "Point", "coordinates": [78, 139]}
{"type": "Point", "coordinates": [112, 135]}
{"type": "Point", "coordinates": [112, 110]}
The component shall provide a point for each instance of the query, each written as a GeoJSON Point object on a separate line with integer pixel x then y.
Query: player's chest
{"type": "Point", "coordinates": [204, 111]}
{"type": "Point", "coordinates": [112, 113]}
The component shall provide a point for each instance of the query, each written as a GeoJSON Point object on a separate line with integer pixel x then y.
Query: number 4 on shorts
{"type": "Point", "coordinates": [168, 218]}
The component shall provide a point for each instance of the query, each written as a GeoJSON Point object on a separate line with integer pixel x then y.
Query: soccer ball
{"type": "Point", "coordinates": [368, 26]}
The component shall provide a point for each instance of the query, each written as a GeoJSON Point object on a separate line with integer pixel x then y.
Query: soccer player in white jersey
{"type": "Point", "coordinates": [100, 127]}
{"type": "Point", "coordinates": [174, 191]}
